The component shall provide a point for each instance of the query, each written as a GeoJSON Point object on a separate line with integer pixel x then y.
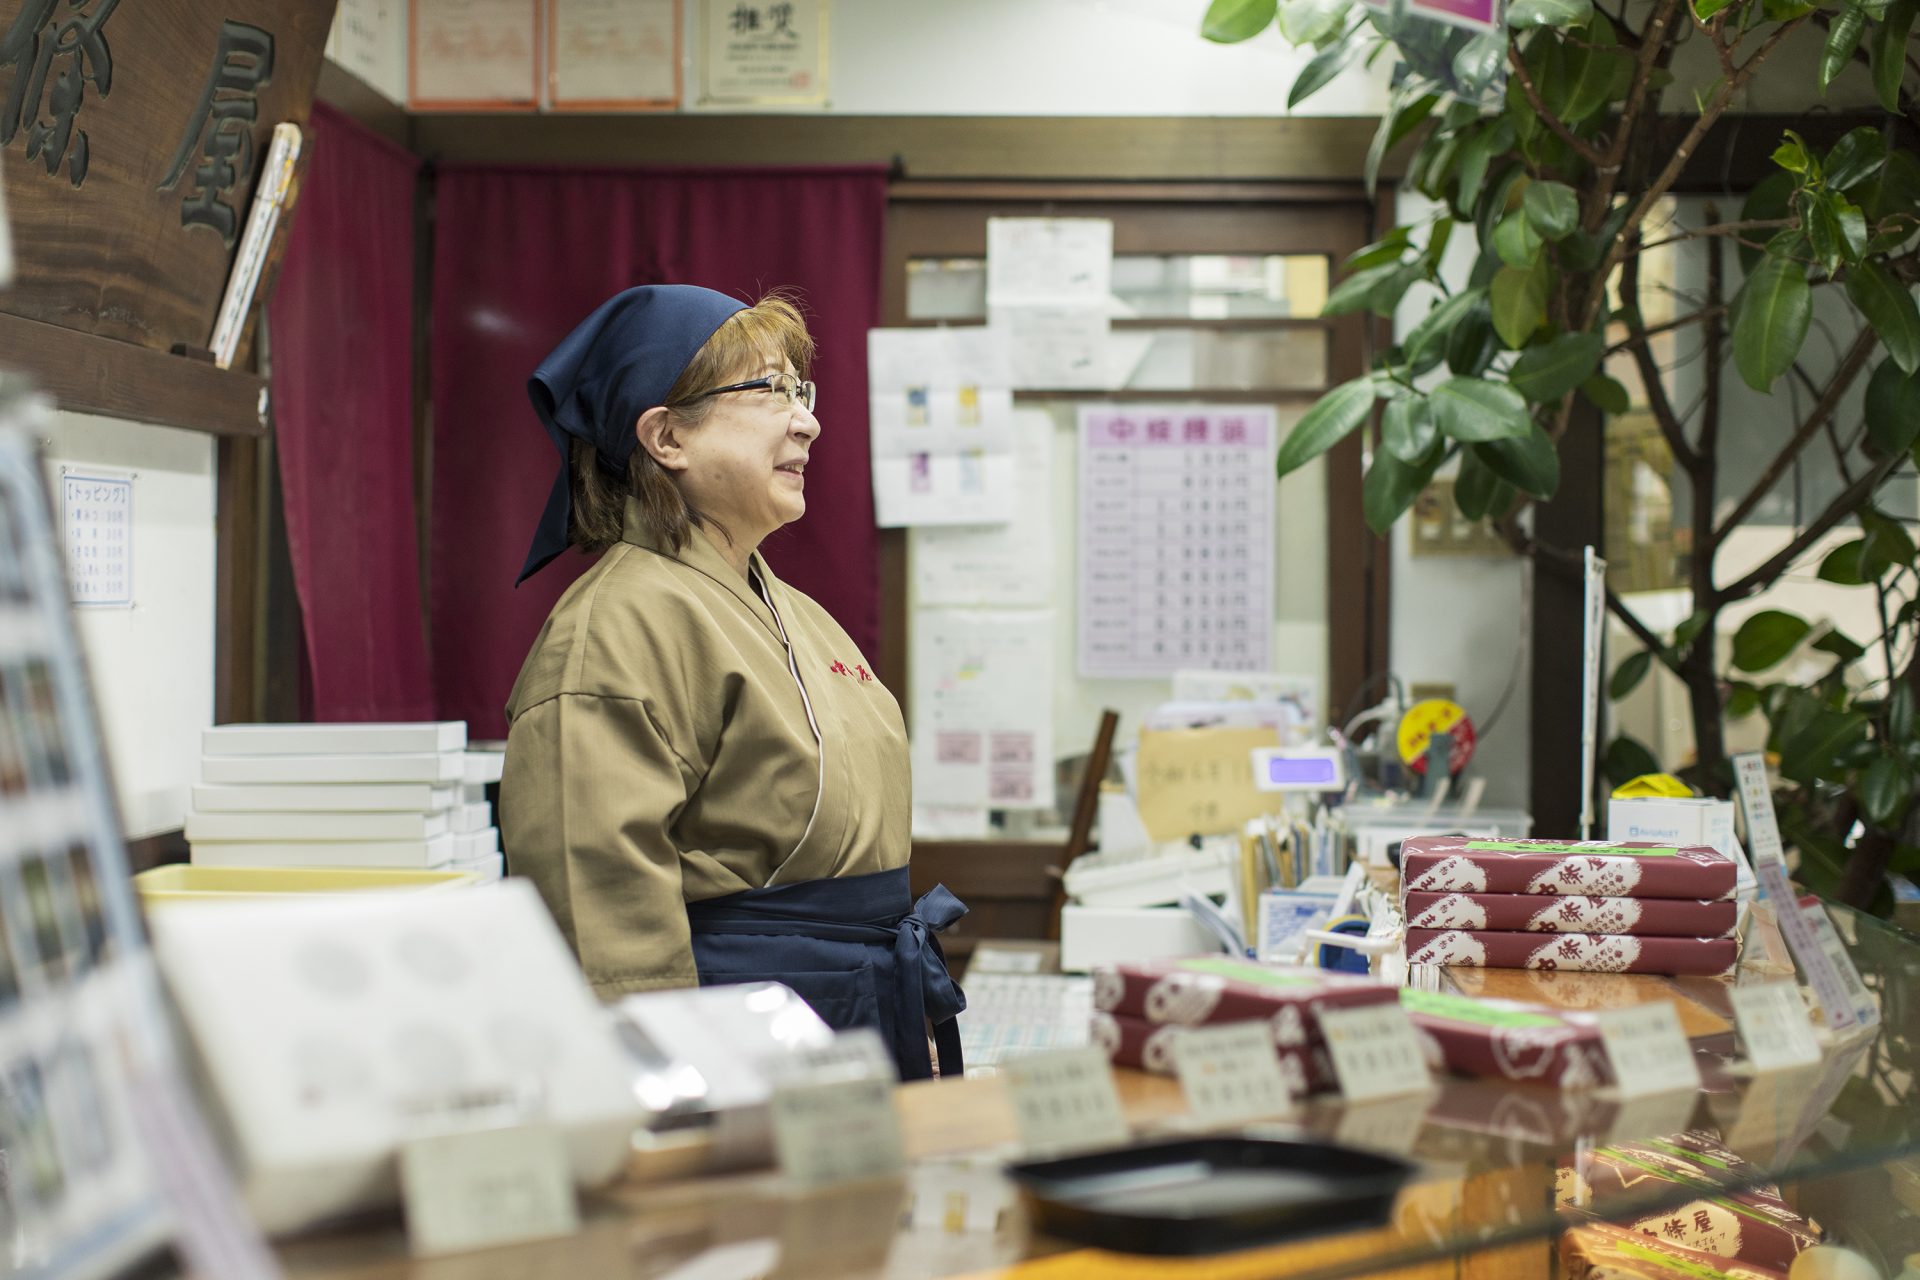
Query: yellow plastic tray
{"type": "Point", "coordinates": [184, 883]}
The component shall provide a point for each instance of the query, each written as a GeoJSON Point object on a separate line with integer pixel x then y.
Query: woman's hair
{"type": "Point", "coordinates": [770, 330]}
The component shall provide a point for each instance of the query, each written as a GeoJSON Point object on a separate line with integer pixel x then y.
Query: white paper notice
{"type": "Point", "coordinates": [474, 52]}
{"type": "Point", "coordinates": [1648, 1050]}
{"type": "Point", "coordinates": [1376, 1052]}
{"type": "Point", "coordinates": [1056, 348]}
{"type": "Point", "coordinates": [1176, 539]}
{"type": "Point", "coordinates": [613, 53]}
{"type": "Point", "coordinates": [983, 708]}
{"type": "Point", "coordinates": [1003, 564]}
{"type": "Point", "coordinates": [1058, 261]}
{"type": "Point", "coordinates": [1065, 1099]}
{"type": "Point", "coordinates": [1773, 1026]}
{"type": "Point", "coordinates": [99, 524]}
{"type": "Point", "coordinates": [1230, 1073]}
{"type": "Point", "coordinates": [941, 415]}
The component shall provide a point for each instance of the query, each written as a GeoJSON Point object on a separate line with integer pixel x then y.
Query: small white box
{"type": "Point", "coordinates": [1122, 880]}
{"type": "Point", "coordinates": [333, 739]}
{"type": "Point", "coordinates": [483, 767]}
{"type": "Point", "coordinates": [1091, 936]}
{"type": "Point", "coordinates": [469, 818]}
{"type": "Point", "coordinates": [428, 855]}
{"type": "Point", "coordinates": [400, 797]}
{"type": "Point", "coordinates": [489, 868]}
{"type": "Point", "coordinates": [477, 844]}
{"type": "Point", "coordinates": [445, 766]}
{"type": "Point", "coordinates": [260, 827]}
{"type": "Point", "coordinates": [1683, 821]}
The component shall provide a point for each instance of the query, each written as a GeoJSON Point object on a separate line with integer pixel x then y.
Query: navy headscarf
{"type": "Point", "coordinates": [621, 361]}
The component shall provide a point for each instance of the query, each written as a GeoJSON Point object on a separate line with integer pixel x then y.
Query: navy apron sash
{"type": "Point", "coordinates": [860, 951]}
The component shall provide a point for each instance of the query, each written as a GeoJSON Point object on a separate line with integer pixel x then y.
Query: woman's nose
{"type": "Point", "coordinates": [805, 425]}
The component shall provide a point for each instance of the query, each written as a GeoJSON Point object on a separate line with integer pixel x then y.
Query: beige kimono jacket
{"type": "Point", "coordinates": [663, 749]}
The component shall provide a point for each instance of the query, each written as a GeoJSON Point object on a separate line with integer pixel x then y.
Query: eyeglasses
{"type": "Point", "coordinates": [786, 388]}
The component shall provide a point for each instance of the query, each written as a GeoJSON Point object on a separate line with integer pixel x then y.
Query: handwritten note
{"type": "Point", "coordinates": [1199, 781]}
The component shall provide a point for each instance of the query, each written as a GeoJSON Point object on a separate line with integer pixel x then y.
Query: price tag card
{"type": "Point", "coordinates": [1853, 990]}
{"type": "Point", "coordinates": [837, 1128]}
{"type": "Point", "coordinates": [1231, 1074]}
{"type": "Point", "coordinates": [1756, 801]}
{"type": "Point", "coordinates": [1774, 1027]}
{"type": "Point", "coordinates": [1391, 1124]}
{"type": "Point", "coordinates": [486, 1187]}
{"type": "Point", "coordinates": [1649, 1051]}
{"type": "Point", "coordinates": [1376, 1052]}
{"type": "Point", "coordinates": [1065, 1099]}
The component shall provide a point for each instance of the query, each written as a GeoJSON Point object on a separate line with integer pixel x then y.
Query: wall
{"type": "Point", "coordinates": [151, 664]}
{"type": "Point", "coordinates": [993, 58]}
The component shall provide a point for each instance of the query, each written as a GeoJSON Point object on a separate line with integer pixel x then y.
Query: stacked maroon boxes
{"type": "Point", "coordinates": [1551, 904]}
{"type": "Point", "coordinates": [1142, 1009]}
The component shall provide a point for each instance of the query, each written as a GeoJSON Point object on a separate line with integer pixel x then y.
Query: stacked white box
{"type": "Point", "coordinates": [342, 795]}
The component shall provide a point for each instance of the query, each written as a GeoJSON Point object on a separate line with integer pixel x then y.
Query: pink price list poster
{"type": "Point", "coordinates": [1176, 540]}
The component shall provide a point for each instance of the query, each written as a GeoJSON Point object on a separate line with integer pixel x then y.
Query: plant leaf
{"type": "Point", "coordinates": [1321, 69]}
{"type": "Point", "coordinates": [1892, 409]}
{"type": "Point", "coordinates": [1390, 488]}
{"type": "Point", "coordinates": [1887, 544]}
{"type": "Point", "coordinates": [1889, 52]}
{"type": "Point", "coordinates": [1857, 156]}
{"type": "Point", "coordinates": [1548, 13]}
{"type": "Point", "coordinates": [1822, 227]}
{"type": "Point", "coordinates": [1607, 394]}
{"type": "Point", "coordinates": [1771, 314]}
{"type": "Point", "coordinates": [1886, 789]}
{"type": "Point", "coordinates": [1491, 139]}
{"type": "Point", "coordinates": [1842, 564]}
{"type": "Point", "coordinates": [1843, 37]}
{"type": "Point", "coordinates": [1815, 751]}
{"type": "Point", "coordinates": [1629, 674]}
{"type": "Point", "coordinates": [1742, 700]}
{"type": "Point", "coordinates": [1705, 9]}
{"type": "Point", "coordinates": [1791, 154]}
{"type": "Point", "coordinates": [1405, 113]}
{"type": "Point", "coordinates": [1472, 344]}
{"type": "Point", "coordinates": [1766, 638]}
{"type": "Point", "coordinates": [1888, 306]}
{"type": "Point", "coordinates": [1519, 300]}
{"type": "Point", "coordinates": [1515, 240]}
{"type": "Point", "coordinates": [1231, 21]}
{"type": "Point", "coordinates": [1841, 646]}
{"type": "Point", "coordinates": [1627, 759]}
{"type": "Point", "coordinates": [1529, 462]}
{"type": "Point", "coordinates": [1473, 409]}
{"type": "Point", "coordinates": [1431, 334]}
{"type": "Point", "coordinates": [1377, 289]}
{"type": "Point", "coordinates": [1592, 72]}
{"type": "Point", "coordinates": [1770, 200]}
{"type": "Point", "coordinates": [1311, 21]}
{"type": "Point", "coordinates": [1477, 491]}
{"type": "Point", "coordinates": [1407, 429]}
{"type": "Point", "coordinates": [1547, 372]}
{"type": "Point", "coordinates": [1552, 210]}
{"type": "Point", "coordinates": [1900, 713]}
{"type": "Point", "coordinates": [1332, 418]}
{"type": "Point", "coordinates": [1389, 248]}
{"type": "Point", "coordinates": [1478, 62]}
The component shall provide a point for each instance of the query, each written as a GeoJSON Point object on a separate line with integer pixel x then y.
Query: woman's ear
{"type": "Point", "coordinates": [660, 437]}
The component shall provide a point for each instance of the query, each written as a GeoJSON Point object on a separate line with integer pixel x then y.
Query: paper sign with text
{"type": "Point", "coordinates": [1065, 1099]}
{"type": "Point", "coordinates": [1376, 1052]}
{"type": "Point", "coordinates": [1199, 781]}
{"type": "Point", "coordinates": [1774, 1028]}
{"type": "Point", "coordinates": [487, 1187]}
{"type": "Point", "coordinates": [1648, 1050]}
{"type": "Point", "coordinates": [1231, 1073]}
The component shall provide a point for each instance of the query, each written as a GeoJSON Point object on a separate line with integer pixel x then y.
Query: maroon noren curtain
{"type": "Point", "coordinates": [521, 255]}
{"type": "Point", "coordinates": [342, 347]}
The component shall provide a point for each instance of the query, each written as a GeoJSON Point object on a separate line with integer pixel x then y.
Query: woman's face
{"type": "Point", "coordinates": [746, 462]}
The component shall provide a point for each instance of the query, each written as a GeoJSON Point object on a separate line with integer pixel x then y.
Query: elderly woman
{"type": "Point", "coordinates": [703, 778]}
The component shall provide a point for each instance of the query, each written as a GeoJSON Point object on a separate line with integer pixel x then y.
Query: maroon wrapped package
{"type": "Point", "coordinates": [1554, 913]}
{"type": "Point", "coordinates": [1586, 952]}
{"type": "Point", "coordinates": [1460, 864]}
{"type": "Point", "coordinates": [1208, 989]}
{"type": "Point", "coordinates": [1728, 1219]}
{"type": "Point", "coordinates": [1603, 1251]}
{"type": "Point", "coordinates": [1148, 1046]}
{"type": "Point", "coordinates": [1507, 1040]}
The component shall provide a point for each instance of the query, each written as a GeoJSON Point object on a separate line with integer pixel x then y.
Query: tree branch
{"type": "Point", "coordinates": [1581, 147]}
{"type": "Point", "coordinates": [1708, 118]}
{"type": "Point", "coordinates": [1724, 229]}
{"type": "Point", "coordinates": [1571, 566]}
{"type": "Point", "coordinates": [1864, 344]}
{"type": "Point", "coordinates": [1655, 388]}
{"type": "Point", "coordinates": [1695, 317]}
{"type": "Point", "coordinates": [1836, 511]}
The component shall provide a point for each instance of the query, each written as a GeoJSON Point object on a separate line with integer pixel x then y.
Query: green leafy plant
{"type": "Point", "coordinates": [1562, 175]}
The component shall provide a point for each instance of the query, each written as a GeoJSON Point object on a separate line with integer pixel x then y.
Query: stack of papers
{"type": "Point", "coordinates": [345, 795]}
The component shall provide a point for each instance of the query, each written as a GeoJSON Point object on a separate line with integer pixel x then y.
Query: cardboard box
{"type": "Point", "coordinates": [1683, 821]}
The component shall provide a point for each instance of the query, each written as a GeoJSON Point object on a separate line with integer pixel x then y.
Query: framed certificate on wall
{"type": "Point", "coordinates": [762, 52]}
{"type": "Point", "coordinates": [473, 55]}
{"type": "Point", "coordinates": [613, 55]}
